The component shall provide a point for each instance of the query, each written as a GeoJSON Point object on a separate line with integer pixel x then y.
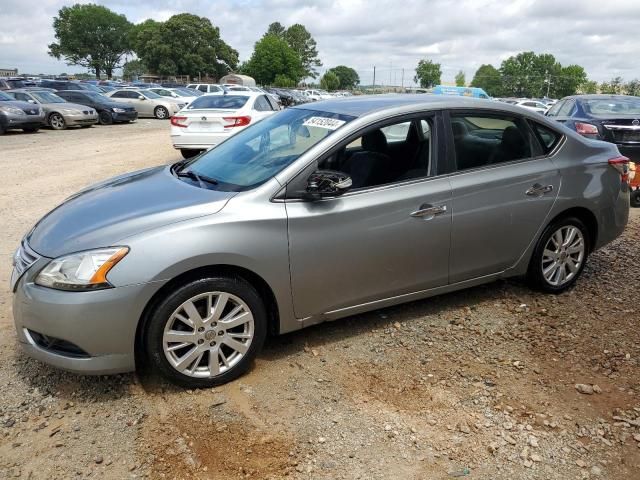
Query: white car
{"type": "Point", "coordinates": [181, 95]}
{"type": "Point", "coordinates": [207, 88]}
{"type": "Point", "coordinates": [533, 105]}
{"type": "Point", "coordinates": [210, 119]}
{"type": "Point", "coordinates": [317, 94]}
{"type": "Point", "coordinates": [148, 103]}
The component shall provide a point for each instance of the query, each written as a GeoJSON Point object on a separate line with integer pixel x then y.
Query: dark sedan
{"type": "Point", "coordinates": [612, 118]}
{"type": "Point", "coordinates": [109, 111]}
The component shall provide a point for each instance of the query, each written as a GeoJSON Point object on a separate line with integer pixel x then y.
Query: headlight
{"type": "Point", "coordinates": [14, 110]}
{"type": "Point", "coordinates": [118, 110]}
{"type": "Point", "coordinates": [81, 271]}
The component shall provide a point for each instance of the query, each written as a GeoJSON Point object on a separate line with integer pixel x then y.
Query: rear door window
{"type": "Point", "coordinates": [483, 140]}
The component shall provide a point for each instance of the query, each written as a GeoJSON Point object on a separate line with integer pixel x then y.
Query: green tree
{"type": "Point", "coordinates": [460, 79]}
{"type": "Point", "coordinates": [633, 88]}
{"type": "Point", "coordinates": [133, 68]}
{"type": "Point", "coordinates": [614, 87]}
{"type": "Point", "coordinates": [273, 56]}
{"type": "Point", "coordinates": [277, 29]}
{"type": "Point", "coordinates": [283, 81]}
{"type": "Point", "coordinates": [330, 81]}
{"type": "Point", "coordinates": [527, 74]}
{"type": "Point", "coordinates": [301, 41]}
{"type": "Point", "coordinates": [569, 81]}
{"type": "Point", "coordinates": [488, 78]}
{"type": "Point", "coordinates": [185, 44]}
{"type": "Point", "coordinates": [427, 74]}
{"type": "Point", "coordinates": [91, 36]}
{"type": "Point", "coordinates": [588, 87]}
{"type": "Point", "coordinates": [347, 76]}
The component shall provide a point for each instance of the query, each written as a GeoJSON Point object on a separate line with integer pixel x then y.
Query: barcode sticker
{"type": "Point", "coordinates": [324, 122]}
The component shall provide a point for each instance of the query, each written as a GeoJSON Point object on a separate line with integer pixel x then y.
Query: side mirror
{"type": "Point", "coordinates": [31, 101]}
{"type": "Point", "coordinates": [328, 183]}
{"type": "Point", "coordinates": [141, 97]}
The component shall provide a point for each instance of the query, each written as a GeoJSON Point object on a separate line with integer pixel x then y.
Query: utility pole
{"type": "Point", "coordinates": [402, 82]}
{"type": "Point", "coordinates": [546, 72]}
{"type": "Point", "coordinates": [374, 78]}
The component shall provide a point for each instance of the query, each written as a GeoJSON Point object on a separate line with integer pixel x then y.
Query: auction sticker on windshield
{"type": "Point", "coordinates": [324, 122]}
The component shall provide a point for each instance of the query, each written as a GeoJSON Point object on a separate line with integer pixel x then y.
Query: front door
{"type": "Point", "coordinates": [503, 190]}
{"type": "Point", "coordinates": [387, 237]}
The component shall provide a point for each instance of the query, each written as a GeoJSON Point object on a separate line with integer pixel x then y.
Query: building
{"type": "Point", "coordinates": [8, 72]}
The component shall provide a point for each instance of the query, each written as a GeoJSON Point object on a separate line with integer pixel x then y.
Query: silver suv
{"type": "Point", "coordinates": [315, 213]}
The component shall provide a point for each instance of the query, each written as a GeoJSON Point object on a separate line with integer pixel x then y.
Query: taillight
{"type": "Point", "coordinates": [622, 165]}
{"type": "Point", "coordinates": [586, 129]}
{"type": "Point", "coordinates": [237, 121]}
{"type": "Point", "coordinates": [178, 121]}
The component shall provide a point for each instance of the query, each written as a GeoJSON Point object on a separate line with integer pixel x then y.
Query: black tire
{"type": "Point", "coordinates": [56, 121]}
{"type": "Point", "coordinates": [30, 129]}
{"type": "Point", "coordinates": [105, 118]}
{"type": "Point", "coordinates": [535, 275]}
{"type": "Point", "coordinates": [189, 153]}
{"type": "Point", "coordinates": [161, 113]}
{"type": "Point", "coordinates": [635, 199]}
{"type": "Point", "coordinates": [163, 311]}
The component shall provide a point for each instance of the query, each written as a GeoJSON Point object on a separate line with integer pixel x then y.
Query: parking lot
{"type": "Point", "coordinates": [478, 384]}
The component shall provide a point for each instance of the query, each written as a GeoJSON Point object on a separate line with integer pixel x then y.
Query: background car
{"type": "Point", "coordinates": [59, 114]}
{"type": "Point", "coordinates": [17, 115]}
{"type": "Point", "coordinates": [177, 94]}
{"type": "Point", "coordinates": [532, 105]}
{"type": "Point", "coordinates": [109, 111]}
{"type": "Point", "coordinates": [148, 103]}
{"type": "Point", "coordinates": [210, 119]}
{"type": "Point", "coordinates": [612, 118]}
{"type": "Point", "coordinates": [207, 88]}
{"type": "Point", "coordinates": [68, 85]}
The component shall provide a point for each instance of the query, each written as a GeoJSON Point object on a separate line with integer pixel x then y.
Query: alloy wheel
{"type": "Point", "coordinates": [208, 334]}
{"type": "Point", "coordinates": [161, 113]}
{"type": "Point", "coordinates": [563, 255]}
{"type": "Point", "coordinates": [56, 121]}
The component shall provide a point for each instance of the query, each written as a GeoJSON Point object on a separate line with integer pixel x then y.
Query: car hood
{"type": "Point", "coordinates": [105, 214]}
{"type": "Point", "coordinates": [66, 106]}
{"type": "Point", "coordinates": [114, 104]}
{"type": "Point", "coordinates": [26, 106]}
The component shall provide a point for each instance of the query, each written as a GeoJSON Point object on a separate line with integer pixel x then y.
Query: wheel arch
{"type": "Point", "coordinates": [587, 217]}
{"type": "Point", "coordinates": [263, 288]}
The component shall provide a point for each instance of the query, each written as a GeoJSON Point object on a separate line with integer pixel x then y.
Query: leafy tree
{"type": "Point", "coordinates": [427, 73]}
{"type": "Point", "coordinates": [330, 81]}
{"type": "Point", "coordinates": [528, 74]}
{"type": "Point", "coordinates": [633, 87]}
{"type": "Point", "coordinates": [590, 86]}
{"type": "Point", "coordinates": [277, 29]}
{"type": "Point", "coordinates": [283, 81]}
{"type": "Point", "coordinates": [301, 41]}
{"type": "Point", "coordinates": [570, 79]}
{"type": "Point", "coordinates": [185, 44]}
{"type": "Point", "coordinates": [347, 76]}
{"type": "Point", "coordinates": [460, 79]}
{"type": "Point", "coordinates": [91, 36]}
{"type": "Point", "coordinates": [272, 56]}
{"type": "Point", "coordinates": [614, 87]}
{"type": "Point", "coordinates": [488, 78]}
{"type": "Point", "coordinates": [133, 68]}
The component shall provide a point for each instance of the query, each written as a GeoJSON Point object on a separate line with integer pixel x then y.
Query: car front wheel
{"type": "Point", "coordinates": [105, 118]}
{"type": "Point", "coordinates": [161, 113]}
{"type": "Point", "coordinates": [57, 121]}
{"type": "Point", "coordinates": [560, 255]}
{"type": "Point", "coordinates": [207, 332]}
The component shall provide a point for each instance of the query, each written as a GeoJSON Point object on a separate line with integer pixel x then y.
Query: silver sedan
{"type": "Point", "coordinates": [59, 114]}
{"type": "Point", "coordinates": [148, 103]}
{"type": "Point", "coordinates": [314, 213]}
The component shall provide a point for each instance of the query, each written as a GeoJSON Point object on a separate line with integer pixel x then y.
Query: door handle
{"type": "Point", "coordinates": [429, 211]}
{"type": "Point", "coordinates": [538, 190]}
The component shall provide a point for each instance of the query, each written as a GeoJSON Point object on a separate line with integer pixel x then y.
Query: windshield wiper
{"type": "Point", "coordinates": [197, 177]}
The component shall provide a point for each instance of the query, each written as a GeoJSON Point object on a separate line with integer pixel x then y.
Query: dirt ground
{"type": "Point", "coordinates": [479, 384]}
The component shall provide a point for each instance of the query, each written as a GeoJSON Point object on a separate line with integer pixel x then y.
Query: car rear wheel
{"type": "Point", "coordinates": [207, 332]}
{"type": "Point", "coordinates": [57, 121]}
{"type": "Point", "coordinates": [635, 199]}
{"type": "Point", "coordinates": [105, 118]}
{"type": "Point", "coordinates": [189, 153]}
{"type": "Point", "coordinates": [560, 255]}
{"type": "Point", "coordinates": [161, 113]}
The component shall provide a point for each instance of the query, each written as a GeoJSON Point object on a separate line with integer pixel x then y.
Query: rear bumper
{"type": "Point", "coordinates": [630, 151]}
{"type": "Point", "coordinates": [198, 141]}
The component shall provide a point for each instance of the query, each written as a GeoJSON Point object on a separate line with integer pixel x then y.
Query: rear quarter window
{"type": "Point", "coordinates": [547, 137]}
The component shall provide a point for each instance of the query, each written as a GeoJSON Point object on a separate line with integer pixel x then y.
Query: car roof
{"type": "Point", "coordinates": [598, 96]}
{"type": "Point", "coordinates": [364, 105]}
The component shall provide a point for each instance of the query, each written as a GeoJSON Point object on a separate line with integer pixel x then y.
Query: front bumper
{"type": "Point", "coordinates": [124, 117]}
{"type": "Point", "coordinates": [81, 119]}
{"type": "Point", "coordinates": [12, 120]}
{"type": "Point", "coordinates": [100, 325]}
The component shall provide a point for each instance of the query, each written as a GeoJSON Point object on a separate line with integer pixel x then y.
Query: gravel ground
{"type": "Point", "coordinates": [496, 382]}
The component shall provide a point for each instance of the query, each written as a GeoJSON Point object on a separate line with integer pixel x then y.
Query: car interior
{"type": "Point", "coordinates": [385, 155]}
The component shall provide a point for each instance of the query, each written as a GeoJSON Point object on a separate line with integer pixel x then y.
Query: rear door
{"type": "Point", "coordinates": [503, 188]}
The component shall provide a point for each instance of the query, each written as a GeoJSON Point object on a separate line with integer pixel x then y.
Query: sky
{"type": "Point", "coordinates": [392, 35]}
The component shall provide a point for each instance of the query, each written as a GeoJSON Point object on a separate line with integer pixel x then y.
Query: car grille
{"type": "Point", "coordinates": [24, 258]}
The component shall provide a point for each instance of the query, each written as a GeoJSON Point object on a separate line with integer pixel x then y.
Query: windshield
{"type": "Point", "coordinates": [616, 106]}
{"type": "Point", "coordinates": [184, 92]}
{"type": "Point", "coordinates": [47, 97]}
{"type": "Point", "coordinates": [222, 102]}
{"type": "Point", "coordinates": [150, 94]}
{"type": "Point", "coordinates": [4, 97]}
{"type": "Point", "coordinates": [260, 151]}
